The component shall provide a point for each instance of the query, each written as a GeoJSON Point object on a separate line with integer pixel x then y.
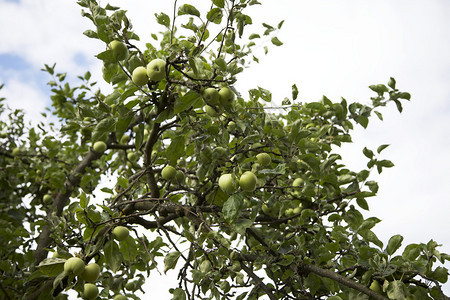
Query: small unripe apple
{"type": "Point", "coordinates": [99, 146]}
{"type": "Point", "coordinates": [121, 233]}
{"type": "Point", "coordinates": [247, 182]}
{"type": "Point", "coordinates": [266, 209]}
{"type": "Point", "coordinates": [47, 199]}
{"type": "Point", "coordinates": [125, 139]}
{"type": "Point", "coordinates": [227, 184]}
{"type": "Point", "coordinates": [16, 151]}
{"type": "Point", "coordinates": [130, 286]}
{"type": "Point", "coordinates": [132, 156]}
{"type": "Point", "coordinates": [297, 210]}
{"type": "Point", "coordinates": [119, 49]}
{"type": "Point", "coordinates": [264, 159]}
{"type": "Point", "coordinates": [205, 266]}
{"type": "Point", "coordinates": [91, 272]}
{"type": "Point", "coordinates": [226, 96]}
{"type": "Point", "coordinates": [212, 96]}
{"type": "Point", "coordinates": [180, 177]}
{"type": "Point", "coordinates": [120, 297]}
{"type": "Point", "coordinates": [90, 291]}
{"type": "Point", "coordinates": [74, 265]}
{"type": "Point", "coordinates": [297, 182]}
{"type": "Point", "coordinates": [168, 172]}
{"type": "Point", "coordinates": [375, 286]}
{"type": "Point", "coordinates": [156, 69]}
{"type": "Point", "coordinates": [139, 76]}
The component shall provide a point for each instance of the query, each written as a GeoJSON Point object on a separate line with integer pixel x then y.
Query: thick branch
{"type": "Point", "coordinates": [73, 180]}
{"type": "Point", "coordinates": [341, 279]}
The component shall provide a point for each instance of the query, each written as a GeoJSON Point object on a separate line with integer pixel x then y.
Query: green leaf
{"type": "Point", "coordinates": [186, 101]}
{"type": "Point", "coordinates": [187, 9]}
{"type": "Point", "coordinates": [179, 294]}
{"type": "Point", "coordinates": [411, 252]}
{"type": "Point", "coordinates": [254, 36]}
{"type": "Point", "coordinates": [394, 243]}
{"type": "Point", "coordinates": [381, 148]}
{"type": "Point", "coordinates": [170, 261]}
{"type": "Point", "coordinates": [276, 41]}
{"type": "Point", "coordinates": [103, 128]}
{"type": "Point", "coordinates": [368, 153]}
{"type": "Point", "coordinates": [90, 34]}
{"type": "Point", "coordinates": [405, 95]}
{"type": "Point", "coordinates": [107, 56]}
{"type": "Point", "coordinates": [163, 19]}
{"type": "Point", "coordinates": [241, 225]}
{"type": "Point", "coordinates": [52, 266]}
{"type": "Point", "coordinates": [294, 92]}
{"type": "Point", "coordinates": [215, 15]}
{"type": "Point", "coordinates": [231, 207]}
{"type": "Point", "coordinates": [219, 3]}
{"type": "Point", "coordinates": [176, 149]}
{"type": "Point", "coordinates": [362, 203]}
{"type": "Point", "coordinates": [396, 290]}
{"type": "Point", "coordinates": [113, 257]}
{"type": "Point", "coordinates": [280, 24]}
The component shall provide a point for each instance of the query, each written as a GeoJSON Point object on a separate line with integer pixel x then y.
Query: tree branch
{"type": "Point", "coordinates": [340, 279]}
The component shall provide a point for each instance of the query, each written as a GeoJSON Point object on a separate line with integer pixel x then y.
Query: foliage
{"type": "Point", "coordinates": [306, 240]}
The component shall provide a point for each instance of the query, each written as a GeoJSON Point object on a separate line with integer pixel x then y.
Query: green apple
{"type": "Point", "coordinates": [99, 146]}
{"type": "Point", "coordinates": [130, 286]}
{"type": "Point", "coordinates": [210, 111]}
{"type": "Point", "coordinates": [156, 69]}
{"type": "Point", "coordinates": [266, 209]}
{"type": "Point", "coordinates": [168, 173]}
{"type": "Point", "coordinates": [90, 291]}
{"type": "Point", "coordinates": [231, 125]}
{"type": "Point", "coordinates": [125, 139]}
{"type": "Point", "coordinates": [226, 96]}
{"type": "Point", "coordinates": [16, 151]}
{"type": "Point", "coordinates": [47, 198]}
{"type": "Point", "coordinates": [139, 76]}
{"type": "Point", "coordinates": [120, 297]}
{"type": "Point", "coordinates": [91, 272]}
{"type": "Point", "coordinates": [296, 210]}
{"type": "Point", "coordinates": [211, 96]}
{"type": "Point", "coordinates": [205, 266]}
{"type": "Point", "coordinates": [375, 286]}
{"type": "Point", "coordinates": [132, 156]}
{"type": "Point", "coordinates": [121, 233]}
{"type": "Point", "coordinates": [119, 49]}
{"type": "Point", "coordinates": [180, 177]}
{"type": "Point", "coordinates": [297, 182]}
{"type": "Point", "coordinates": [334, 298]}
{"type": "Point", "coordinates": [227, 184]}
{"type": "Point", "coordinates": [74, 265]}
{"type": "Point", "coordinates": [264, 159]}
{"type": "Point", "coordinates": [247, 182]}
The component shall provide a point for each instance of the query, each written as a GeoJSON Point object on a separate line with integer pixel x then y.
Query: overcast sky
{"type": "Point", "coordinates": [332, 48]}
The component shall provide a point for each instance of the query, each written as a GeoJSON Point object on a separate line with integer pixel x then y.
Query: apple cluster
{"type": "Point", "coordinates": [75, 266]}
{"type": "Point", "coordinates": [247, 181]}
{"type": "Point", "coordinates": [155, 71]}
{"type": "Point", "coordinates": [217, 100]}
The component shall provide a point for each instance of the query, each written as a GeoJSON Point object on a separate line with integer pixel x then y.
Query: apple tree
{"type": "Point", "coordinates": [174, 170]}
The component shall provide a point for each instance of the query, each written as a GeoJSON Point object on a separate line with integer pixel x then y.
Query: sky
{"type": "Point", "coordinates": [332, 48]}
